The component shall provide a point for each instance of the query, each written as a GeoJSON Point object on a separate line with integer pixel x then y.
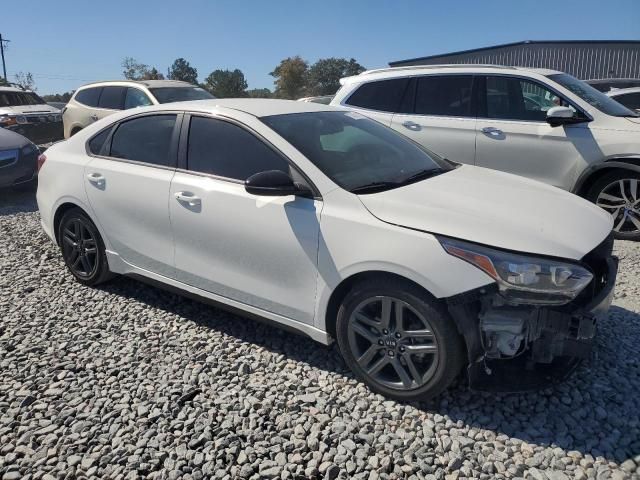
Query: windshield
{"type": "Point", "coordinates": [357, 153]}
{"type": "Point", "coordinates": [180, 94]}
{"type": "Point", "coordinates": [592, 96]}
{"type": "Point", "coordinates": [17, 99]}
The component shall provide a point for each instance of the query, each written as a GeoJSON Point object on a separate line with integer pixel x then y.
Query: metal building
{"type": "Point", "coordinates": [584, 59]}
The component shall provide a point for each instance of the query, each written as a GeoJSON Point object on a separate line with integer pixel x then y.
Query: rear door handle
{"type": "Point", "coordinates": [97, 179]}
{"type": "Point", "coordinates": [188, 198]}
{"type": "Point", "coordinates": [94, 117]}
{"type": "Point", "coordinates": [411, 125]}
{"type": "Point", "coordinates": [492, 131]}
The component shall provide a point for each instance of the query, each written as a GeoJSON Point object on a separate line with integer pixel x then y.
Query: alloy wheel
{"type": "Point", "coordinates": [80, 248]}
{"type": "Point", "coordinates": [622, 200]}
{"type": "Point", "coordinates": [393, 343]}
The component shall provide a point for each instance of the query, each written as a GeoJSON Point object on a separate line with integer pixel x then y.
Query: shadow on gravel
{"type": "Point", "coordinates": [18, 200]}
{"type": "Point", "coordinates": [596, 412]}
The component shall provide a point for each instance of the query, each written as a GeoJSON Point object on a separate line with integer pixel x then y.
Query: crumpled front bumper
{"type": "Point", "coordinates": [564, 337]}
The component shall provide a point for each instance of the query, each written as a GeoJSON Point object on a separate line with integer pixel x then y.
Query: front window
{"type": "Point", "coordinates": [180, 94]}
{"type": "Point", "coordinates": [19, 99]}
{"type": "Point", "coordinates": [357, 153]}
{"type": "Point", "coordinates": [592, 96]}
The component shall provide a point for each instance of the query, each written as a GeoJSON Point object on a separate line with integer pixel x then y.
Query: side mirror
{"type": "Point", "coordinates": [272, 183]}
{"type": "Point", "coordinates": [560, 115]}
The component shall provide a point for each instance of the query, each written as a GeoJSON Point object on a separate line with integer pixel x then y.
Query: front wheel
{"type": "Point", "coordinates": [398, 340]}
{"type": "Point", "coordinates": [618, 194]}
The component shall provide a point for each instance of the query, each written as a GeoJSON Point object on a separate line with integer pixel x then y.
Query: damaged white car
{"type": "Point", "coordinates": [328, 223]}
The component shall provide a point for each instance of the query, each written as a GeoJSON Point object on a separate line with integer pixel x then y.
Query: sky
{"type": "Point", "coordinates": [67, 43]}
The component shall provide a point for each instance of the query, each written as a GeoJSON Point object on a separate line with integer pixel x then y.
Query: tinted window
{"type": "Point", "coordinates": [180, 94]}
{"type": "Point", "coordinates": [145, 139]}
{"type": "Point", "coordinates": [97, 142]}
{"type": "Point", "coordinates": [226, 150]}
{"type": "Point", "coordinates": [629, 100]}
{"type": "Point", "coordinates": [89, 96]}
{"type": "Point", "coordinates": [16, 99]}
{"type": "Point", "coordinates": [384, 95]}
{"type": "Point", "coordinates": [444, 95]}
{"type": "Point", "coordinates": [135, 98]}
{"type": "Point", "coordinates": [592, 96]}
{"type": "Point", "coordinates": [353, 150]}
{"type": "Point", "coordinates": [112, 98]}
{"type": "Point", "coordinates": [512, 98]}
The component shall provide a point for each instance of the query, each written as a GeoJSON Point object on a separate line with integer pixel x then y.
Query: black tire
{"type": "Point", "coordinates": [610, 183]}
{"type": "Point", "coordinates": [449, 355]}
{"type": "Point", "coordinates": [76, 227]}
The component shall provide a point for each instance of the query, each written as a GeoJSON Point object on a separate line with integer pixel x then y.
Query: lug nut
{"type": "Point", "coordinates": [391, 354]}
{"type": "Point", "coordinates": [380, 342]}
{"type": "Point", "coordinates": [385, 331]}
{"type": "Point", "coordinates": [402, 349]}
{"type": "Point", "coordinates": [398, 335]}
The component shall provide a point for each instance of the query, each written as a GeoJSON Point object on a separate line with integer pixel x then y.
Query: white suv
{"type": "Point", "coordinates": [542, 124]}
{"type": "Point", "coordinates": [97, 100]}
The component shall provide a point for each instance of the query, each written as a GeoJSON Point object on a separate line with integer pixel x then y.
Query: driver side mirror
{"type": "Point", "coordinates": [273, 183]}
{"type": "Point", "coordinates": [557, 116]}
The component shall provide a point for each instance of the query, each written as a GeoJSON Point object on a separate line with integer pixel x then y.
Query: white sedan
{"type": "Point", "coordinates": [335, 226]}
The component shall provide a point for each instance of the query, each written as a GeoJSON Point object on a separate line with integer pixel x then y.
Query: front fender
{"type": "Point", "coordinates": [626, 163]}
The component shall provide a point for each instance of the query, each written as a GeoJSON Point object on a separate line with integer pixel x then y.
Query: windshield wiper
{"type": "Point", "coordinates": [421, 175]}
{"type": "Point", "coordinates": [374, 187]}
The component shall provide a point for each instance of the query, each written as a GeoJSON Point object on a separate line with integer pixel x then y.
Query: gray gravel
{"type": "Point", "coordinates": [128, 381]}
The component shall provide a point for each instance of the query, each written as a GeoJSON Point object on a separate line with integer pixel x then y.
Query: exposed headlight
{"type": "Point", "coordinates": [7, 120]}
{"type": "Point", "coordinates": [524, 278]}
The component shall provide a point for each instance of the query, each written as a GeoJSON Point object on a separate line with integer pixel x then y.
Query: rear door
{"type": "Point", "coordinates": [379, 99]}
{"type": "Point", "coordinates": [111, 100]}
{"type": "Point", "coordinates": [127, 182]}
{"type": "Point", "coordinates": [440, 115]}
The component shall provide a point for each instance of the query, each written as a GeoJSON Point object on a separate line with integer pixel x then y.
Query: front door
{"type": "Point", "coordinates": [260, 251]}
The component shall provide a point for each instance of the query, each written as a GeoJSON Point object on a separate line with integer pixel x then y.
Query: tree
{"type": "Point", "coordinates": [134, 70]}
{"type": "Point", "coordinates": [57, 97]}
{"type": "Point", "coordinates": [25, 80]}
{"type": "Point", "coordinates": [182, 70]}
{"type": "Point", "coordinates": [226, 83]}
{"type": "Point", "coordinates": [153, 74]}
{"type": "Point", "coordinates": [260, 93]}
{"type": "Point", "coordinates": [290, 78]}
{"type": "Point", "coordinates": [324, 75]}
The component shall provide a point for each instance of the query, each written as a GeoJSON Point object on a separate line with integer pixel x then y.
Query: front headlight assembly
{"type": "Point", "coordinates": [522, 278]}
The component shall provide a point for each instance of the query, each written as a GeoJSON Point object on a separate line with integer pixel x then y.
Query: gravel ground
{"type": "Point", "coordinates": [128, 381]}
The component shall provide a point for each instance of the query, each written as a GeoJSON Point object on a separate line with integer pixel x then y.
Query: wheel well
{"type": "Point", "coordinates": [593, 178]}
{"type": "Point", "coordinates": [74, 130]}
{"type": "Point", "coordinates": [62, 209]}
{"type": "Point", "coordinates": [347, 284]}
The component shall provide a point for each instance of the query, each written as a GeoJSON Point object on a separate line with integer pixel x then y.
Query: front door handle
{"type": "Point", "coordinates": [188, 198]}
{"type": "Point", "coordinates": [97, 179]}
{"type": "Point", "coordinates": [492, 131]}
{"type": "Point", "coordinates": [411, 125]}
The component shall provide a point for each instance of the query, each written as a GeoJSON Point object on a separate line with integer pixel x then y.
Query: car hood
{"type": "Point", "coordinates": [496, 209]}
{"type": "Point", "coordinates": [9, 140]}
{"type": "Point", "coordinates": [28, 109]}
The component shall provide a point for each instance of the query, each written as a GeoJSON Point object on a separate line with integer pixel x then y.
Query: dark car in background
{"type": "Point", "coordinates": [18, 159]}
{"type": "Point", "coordinates": [24, 112]}
{"type": "Point", "coordinates": [606, 84]}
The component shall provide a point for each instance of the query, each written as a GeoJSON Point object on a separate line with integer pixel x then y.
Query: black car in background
{"type": "Point", "coordinates": [24, 112]}
{"type": "Point", "coordinates": [18, 159]}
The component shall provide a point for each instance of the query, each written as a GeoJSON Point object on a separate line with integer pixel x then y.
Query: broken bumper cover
{"type": "Point", "coordinates": [560, 338]}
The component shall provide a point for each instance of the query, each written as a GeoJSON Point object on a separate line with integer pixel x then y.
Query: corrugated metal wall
{"type": "Point", "coordinates": [582, 60]}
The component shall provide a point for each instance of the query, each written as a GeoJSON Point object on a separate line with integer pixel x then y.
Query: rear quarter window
{"type": "Point", "coordinates": [89, 96]}
{"type": "Point", "coordinates": [382, 95]}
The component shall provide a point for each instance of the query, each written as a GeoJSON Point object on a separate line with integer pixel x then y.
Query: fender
{"type": "Point", "coordinates": [626, 163]}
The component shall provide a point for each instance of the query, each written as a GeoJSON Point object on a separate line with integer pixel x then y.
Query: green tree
{"type": "Point", "coordinates": [25, 80]}
{"type": "Point", "coordinates": [324, 75]}
{"type": "Point", "coordinates": [57, 97]}
{"type": "Point", "coordinates": [153, 74]}
{"type": "Point", "coordinates": [182, 70]}
{"type": "Point", "coordinates": [290, 78]}
{"type": "Point", "coordinates": [226, 83]}
{"type": "Point", "coordinates": [133, 70]}
{"type": "Point", "coordinates": [260, 93]}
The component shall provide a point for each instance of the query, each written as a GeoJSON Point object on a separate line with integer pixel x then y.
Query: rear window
{"type": "Point", "coordinates": [112, 98]}
{"type": "Point", "coordinates": [88, 96]}
{"type": "Point", "coordinates": [17, 99]}
{"type": "Point", "coordinates": [180, 94]}
{"type": "Point", "coordinates": [384, 95]}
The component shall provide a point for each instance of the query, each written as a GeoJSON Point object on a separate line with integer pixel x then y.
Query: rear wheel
{"type": "Point", "coordinates": [398, 340]}
{"type": "Point", "coordinates": [618, 193]}
{"type": "Point", "coordinates": [82, 248]}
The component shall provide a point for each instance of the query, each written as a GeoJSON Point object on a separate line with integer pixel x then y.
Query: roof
{"type": "Point", "coordinates": [514, 44]}
{"type": "Point", "coordinates": [147, 83]}
{"type": "Point", "coordinates": [409, 70]}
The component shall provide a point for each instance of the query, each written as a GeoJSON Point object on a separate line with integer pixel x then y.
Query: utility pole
{"type": "Point", "coordinates": [4, 66]}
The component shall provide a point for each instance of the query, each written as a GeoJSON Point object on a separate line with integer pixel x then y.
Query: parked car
{"type": "Point", "coordinates": [324, 99]}
{"type": "Point", "coordinates": [18, 159]}
{"type": "Point", "coordinates": [541, 124]}
{"type": "Point", "coordinates": [629, 97]}
{"type": "Point", "coordinates": [328, 223]}
{"type": "Point", "coordinates": [97, 100]}
{"type": "Point", "coordinates": [24, 112]}
{"type": "Point", "coordinates": [607, 84]}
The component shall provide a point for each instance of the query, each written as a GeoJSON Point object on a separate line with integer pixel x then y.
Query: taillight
{"type": "Point", "coordinates": [41, 159]}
